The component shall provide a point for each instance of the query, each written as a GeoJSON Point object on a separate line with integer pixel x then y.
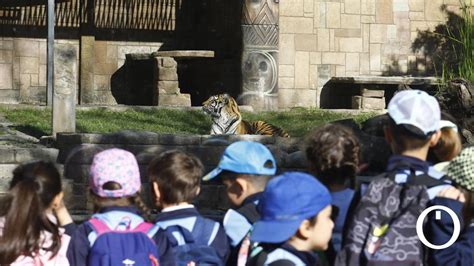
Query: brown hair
{"type": "Point", "coordinates": [258, 181]}
{"type": "Point", "coordinates": [135, 200]}
{"type": "Point", "coordinates": [448, 146]}
{"type": "Point", "coordinates": [468, 208]}
{"type": "Point", "coordinates": [178, 175]}
{"type": "Point", "coordinates": [32, 190]}
{"type": "Point", "coordinates": [405, 139]}
{"type": "Point", "coordinates": [333, 154]}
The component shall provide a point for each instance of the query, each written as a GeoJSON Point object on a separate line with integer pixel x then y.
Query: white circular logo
{"type": "Point", "coordinates": [454, 217]}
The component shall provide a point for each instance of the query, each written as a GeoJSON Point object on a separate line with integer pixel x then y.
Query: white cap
{"type": "Point", "coordinates": [415, 108]}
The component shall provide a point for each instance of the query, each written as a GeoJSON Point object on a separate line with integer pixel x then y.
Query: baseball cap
{"type": "Point", "coordinates": [461, 169]}
{"type": "Point", "coordinates": [245, 157]}
{"type": "Point", "coordinates": [114, 165]}
{"type": "Point", "coordinates": [286, 202]}
{"type": "Point", "coordinates": [417, 110]}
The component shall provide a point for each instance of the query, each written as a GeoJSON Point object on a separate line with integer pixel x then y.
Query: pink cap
{"type": "Point", "coordinates": [115, 165]}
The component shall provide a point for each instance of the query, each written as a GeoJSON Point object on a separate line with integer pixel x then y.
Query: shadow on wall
{"type": "Point", "coordinates": [433, 49]}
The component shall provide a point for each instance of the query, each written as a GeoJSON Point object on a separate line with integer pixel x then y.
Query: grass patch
{"type": "Point", "coordinates": [297, 122]}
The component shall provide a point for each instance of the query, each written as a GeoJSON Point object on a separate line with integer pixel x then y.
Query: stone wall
{"type": "Point", "coordinates": [320, 39]}
{"type": "Point", "coordinates": [77, 150]}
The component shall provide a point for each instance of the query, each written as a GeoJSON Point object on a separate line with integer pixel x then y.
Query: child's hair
{"type": "Point", "coordinates": [135, 200]}
{"type": "Point", "coordinates": [449, 145]}
{"type": "Point", "coordinates": [405, 138]}
{"type": "Point", "coordinates": [468, 208]}
{"type": "Point", "coordinates": [333, 154]}
{"type": "Point", "coordinates": [178, 175]}
{"type": "Point", "coordinates": [258, 181]}
{"type": "Point", "coordinates": [32, 190]}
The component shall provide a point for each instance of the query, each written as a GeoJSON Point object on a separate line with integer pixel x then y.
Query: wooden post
{"type": "Point", "coordinates": [50, 54]}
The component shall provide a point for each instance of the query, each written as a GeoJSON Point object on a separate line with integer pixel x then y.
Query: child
{"type": "Point", "coordinates": [175, 178]}
{"type": "Point", "coordinates": [461, 201]}
{"type": "Point", "coordinates": [296, 210]}
{"type": "Point", "coordinates": [333, 155]}
{"type": "Point", "coordinates": [115, 185]}
{"type": "Point", "coordinates": [387, 208]}
{"type": "Point", "coordinates": [29, 234]}
{"type": "Point", "coordinates": [245, 169]}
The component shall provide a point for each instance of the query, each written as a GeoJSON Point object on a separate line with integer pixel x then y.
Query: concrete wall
{"type": "Point", "coordinates": [320, 39]}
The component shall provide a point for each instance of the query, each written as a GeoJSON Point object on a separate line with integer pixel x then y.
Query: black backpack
{"type": "Point", "coordinates": [382, 229]}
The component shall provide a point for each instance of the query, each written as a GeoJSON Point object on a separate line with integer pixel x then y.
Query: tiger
{"type": "Point", "coordinates": [226, 118]}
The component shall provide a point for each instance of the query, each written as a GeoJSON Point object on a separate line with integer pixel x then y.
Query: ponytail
{"type": "Point", "coordinates": [145, 211]}
{"type": "Point", "coordinates": [32, 189]}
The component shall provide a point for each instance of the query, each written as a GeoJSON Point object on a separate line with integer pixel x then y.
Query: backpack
{"type": "Point", "coordinates": [192, 248]}
{"type": "Point", "coordinates": [272, 255]}
{"type": "Point", "coordinates": [382, 230]}
{"type": "Point", "coordinates": [249, 211]}
{"type": "Point", "coordinates": [130, 247]}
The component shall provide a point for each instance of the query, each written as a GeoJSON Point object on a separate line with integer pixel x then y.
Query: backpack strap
{"type": "Point", "coordinates": [143, 227]}
{"type": "Point", "coordinates": [98, 226]}
{"type": "Point", "coordinates": [178, 235]}
{"type": "Point", "coordinates": [204, 231]}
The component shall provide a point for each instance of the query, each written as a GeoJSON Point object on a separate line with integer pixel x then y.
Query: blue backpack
{"type": "Point", "coordinates": [192, 248]}
{"type": "Point", "coordinates": [131, 247]}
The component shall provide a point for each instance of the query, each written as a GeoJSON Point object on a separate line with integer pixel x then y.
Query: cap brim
{"type": "Point", "coordinates": [212, 174]}
{"type": "Point", "coordinates": [274, 231]}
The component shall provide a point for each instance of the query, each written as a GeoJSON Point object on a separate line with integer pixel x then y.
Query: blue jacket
{"type": "Point", "coordinates": [284, 255]}
{"type": "Point", "coordinates": [438, 232]}
{"type": "Point", "coordinates": [186, 218]}
{"type": "Point", "coordinates": [79, 246]}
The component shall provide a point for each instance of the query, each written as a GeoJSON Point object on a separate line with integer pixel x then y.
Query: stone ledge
{"type": "Point", "coordinates": [387, 80]}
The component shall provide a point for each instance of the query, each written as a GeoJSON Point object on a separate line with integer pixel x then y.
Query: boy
{"type": "Point", "coordinates": [245, 169]}
{"type": "Point", "coordinates": [387, 207]}
{"type": "Point", "coordinates": [175, 180]}
{"type": "Point", "coordinates": [296, 220]}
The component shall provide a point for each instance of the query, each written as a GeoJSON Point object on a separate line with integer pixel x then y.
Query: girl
{"type": "Point", "coordinates": [28, 229]}
{"type": "Point", "coordinates": [461, 200]}
{"type": "Point", "coordinates": [115, 186]}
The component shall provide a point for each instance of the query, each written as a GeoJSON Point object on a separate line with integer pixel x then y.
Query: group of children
{"type": "Point", "coordinates": [324, 216]}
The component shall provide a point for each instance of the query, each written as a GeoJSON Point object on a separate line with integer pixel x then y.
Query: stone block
{"type": "Point", "coordinates": [168, 87]}
{"type": "Point", "coordinates": [209, 155]}
{"type": "Point", "coordinates": [43, 52]}
{"type": "Point", "coordinates": [176, 139]}
{"type": "Point", "coordinates": [295, 98]}
{"type": "Point", "coordinates": [302, 70]}
{"type": "Point", "coordinates": [315, 58]}
{"type": "Point", "coordinates": [433, 10]}
{"type": "Point", "coordinates": [359, 102]}
{"type": "Point", "coordinates": [378, 33]}
{"type": "Point", "coordinates": [375, 58]}
{"type": "Point", "coordinates": [384, 12]}
{"type": "Point", "coordinates": [6, 77]}
{"type": "Point", "coordinates": [26, 155]}
{"type": "Point", "coordinates": [347, 33]}
{"type": "Point", "coordinates": [364, 63]}
{"type": "Point", "coordinates": [323, 40]}
{"type": "Point", "coordinates": [334, 58]}
{"type": "Point", "coordinates": [401, 6]}
{"type": "Point", "coordinates": [350, 21]}
{"type": "Point", "coordinates": [367, 7]}
{"type": "Point", "coordinates": [103, 68]}
{"type": "Point", "coordinates": [7, 156]}
{"type": "Point", "coordinates": [367, 19]}
{"type": "Point", "coordinates": [102, 82]}
{"type": "Point", "coordinates": [324, 74]}
{"type": "Point", "coordinates": [417, 5]}
{"type": "Point", "coordinates": [287, 49]}
{"type": "Point", "coordinates": [313, 77]}
{"type": "Point", "coordinates": [296, 25]}
{"type": "Point", "coordinates": [365, 37]}
{"type": "Point", "coordinates": [417, 15]}
{"type": "Point", "coordinates": [352, 6]}
{"type": "Point", "coordinates": [9, 96]}
{"type": "Point", "coordinates": [340, 71]}
{"type": "Point", "coordinates": [352, 62]}
{"type": "Point", "coordinates": [320, 21]}
{"type": "Point", "coordinates": [167, 74]}
{"type": "Point", "coordinates": [29, 65]}
{"type": "Point", "coordinates": [372, 93]}
{"type": "Point", "coordinates": [306, 42]}
{"type": "Point", "coordinates": [42, 75]}
{"type": "Point", "coordinates": [333, 42]}
{"type": "Point", "coordinates": [333, 15]}
{"type": "Point", "coordinates": [286, 71]}
{"type": "Point", "coordinates": [174, 100]}
{"type": "Point", "coordinates": [350, 45]}
{"type": "Point", "coordinates": [6, 56]}
{"type": "Point", "coordinates": [26, 47]}
{"type": "Point", "coordinates": [286, 83]}
{"type": "Point", "coordinates": [308, 6]}
{"type": "Point", "coordinates": [168, 62]}
{"type": "Point", "coordinates": [34, 80]}
{"type": "Point", "coordinates": [293, 8]}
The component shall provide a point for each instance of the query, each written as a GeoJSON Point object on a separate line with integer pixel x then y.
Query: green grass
{"type": "Point", "coordinates": [297, 122]}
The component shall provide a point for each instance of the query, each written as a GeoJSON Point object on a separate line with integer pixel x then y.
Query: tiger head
{"type": "Point", "coordinates": [216, 104]}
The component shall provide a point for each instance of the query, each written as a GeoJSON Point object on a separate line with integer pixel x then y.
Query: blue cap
{"type": "Point", "coordinates": [245, 157]}
{"type": "Point", "coordinates": [287, 201]}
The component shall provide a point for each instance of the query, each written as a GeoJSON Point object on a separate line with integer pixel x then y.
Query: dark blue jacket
{"type": "Point", "coordinates": [78, 250]}
{"type": "Point", "coordinates": [283, 255]}
{"type": "Point", "coordinates": [438, 232]}
{"type": "Point", "coordinates": [179, 217]}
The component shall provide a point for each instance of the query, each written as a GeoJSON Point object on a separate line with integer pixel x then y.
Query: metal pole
{"type": "Point", "coordinates": [50, 53]}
